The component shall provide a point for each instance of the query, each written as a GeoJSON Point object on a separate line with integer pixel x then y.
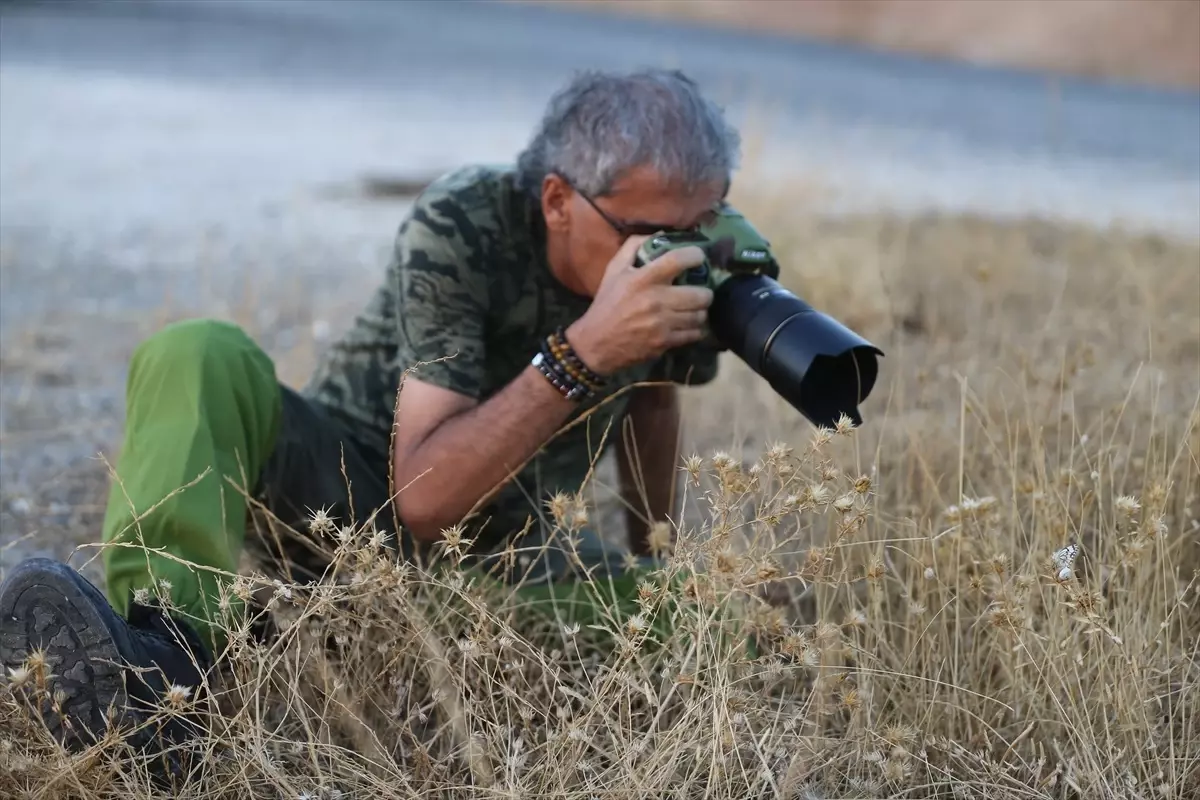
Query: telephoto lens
{"type": "Point", "coordinates": [817, 364]}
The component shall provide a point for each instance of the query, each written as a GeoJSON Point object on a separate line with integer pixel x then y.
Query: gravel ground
{"type": "Point", "coordinates": [94, 255]}
{"type": "Point", "coordinates": [160, 161]}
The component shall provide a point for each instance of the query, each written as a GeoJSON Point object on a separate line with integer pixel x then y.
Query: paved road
{"type": "Point", "coordinates": [309, 90]}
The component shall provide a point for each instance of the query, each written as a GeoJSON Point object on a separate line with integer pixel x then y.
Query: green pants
{"type": "Point", "coordinates": [202, 399]}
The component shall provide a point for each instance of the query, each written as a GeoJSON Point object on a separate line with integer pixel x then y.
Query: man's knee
{"type": "Point", "coordinates": [200, 344]}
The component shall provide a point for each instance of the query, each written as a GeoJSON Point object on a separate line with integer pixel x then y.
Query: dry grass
{"type": "Point", "coordinates": [1040, 389]}
{"type": "Point", "coordinates": [1146, 41]}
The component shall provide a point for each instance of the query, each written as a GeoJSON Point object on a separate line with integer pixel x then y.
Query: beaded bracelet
{"type": "Point", "coordinates": [562, 351]}
{"type": "Point", "coordinates": [565, 386]}
{"type": "Point", "coordinates": [564, 369]}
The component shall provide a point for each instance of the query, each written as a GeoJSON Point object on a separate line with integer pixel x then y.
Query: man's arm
{"type": "Point", "coordinates": [456, 452]}
{"type": "Point", "coordinates": [647, 458]}
{"type": "Point", "coordinates": [450, 450]}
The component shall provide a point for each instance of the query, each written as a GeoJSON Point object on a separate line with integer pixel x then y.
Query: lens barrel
{"type": "Point", "coordinates": [818, 365]}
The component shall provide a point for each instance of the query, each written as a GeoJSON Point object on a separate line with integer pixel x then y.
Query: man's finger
{"type": "Point", "coordinates": [667, 267]}
{"type": "Point", "coordinates": [625, 254]}
{"type": "Point", "coordinates": [688, 298]}
{"type": "Point", "coordinates": [688, 320]}
{"type": "Point", "coordinates": [679, 337]}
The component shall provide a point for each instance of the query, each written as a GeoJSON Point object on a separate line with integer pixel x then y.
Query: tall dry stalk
{"type": "Point", "coordinates": [845, 613]}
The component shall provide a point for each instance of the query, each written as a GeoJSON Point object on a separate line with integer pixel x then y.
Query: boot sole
{"type": "Point", "coordinates": [47, 606]}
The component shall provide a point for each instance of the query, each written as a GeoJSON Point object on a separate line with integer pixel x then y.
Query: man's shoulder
{"type": "Point", "coordinates": [473, 219]}
{"type": "Point", "coordinates": [476, 196]}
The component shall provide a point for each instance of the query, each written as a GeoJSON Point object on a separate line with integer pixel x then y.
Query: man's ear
{"type": "Point", "coordinates": [556, 207]}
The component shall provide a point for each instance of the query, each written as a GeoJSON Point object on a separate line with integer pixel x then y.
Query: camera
{"type": "Point", "coordinates": [818, 365]}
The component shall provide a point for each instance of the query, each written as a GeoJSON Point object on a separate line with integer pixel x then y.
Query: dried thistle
{"type": "Point", "coordinates": [1127, 505]}
{"type": "Point", "coordinates": [320, 523]}
{"type": "Point", "coordinates": [661, 538]}
{"type": "Point", "coordinates": [454, 541]}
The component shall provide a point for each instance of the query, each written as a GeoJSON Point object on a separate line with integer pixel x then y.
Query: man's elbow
{"type": "Point", "coordinates": [651, 406]}
{"type": "Point", "coordinates": [417, 504]}
{"type": "Point", "coordinates": [655, 398]}
{"type": "Point", "coordinates": [420, 517]}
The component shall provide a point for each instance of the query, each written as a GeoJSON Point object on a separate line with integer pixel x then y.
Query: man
{"type": "Point", "coordinates": [513, 298]}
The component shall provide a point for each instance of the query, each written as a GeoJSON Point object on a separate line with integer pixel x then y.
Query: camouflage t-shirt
{"type": "Point", "coordinates": [468, 282]}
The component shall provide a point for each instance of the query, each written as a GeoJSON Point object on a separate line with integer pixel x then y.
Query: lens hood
{"type": "Point", "coordinates": [817, 364]}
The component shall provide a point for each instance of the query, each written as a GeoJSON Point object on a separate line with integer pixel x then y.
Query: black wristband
{"type": "Point", "coordinates": [559, 378]}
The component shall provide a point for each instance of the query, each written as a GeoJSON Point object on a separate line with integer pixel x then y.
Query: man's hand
{"type": "Point", "coordinates": [638, 314]}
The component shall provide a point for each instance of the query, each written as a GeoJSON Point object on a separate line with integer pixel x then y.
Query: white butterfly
{"type": "Point", "coordinates": [1065, 559]}
{"type": "Point", "coordinates": [1066, 556]}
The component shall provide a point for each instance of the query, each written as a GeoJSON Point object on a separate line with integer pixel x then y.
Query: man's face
{"type": "Point", "coordinates": [586, 232]}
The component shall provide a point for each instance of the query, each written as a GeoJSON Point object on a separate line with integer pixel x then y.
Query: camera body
{"type": "Point", "coordinates": [818, 365]}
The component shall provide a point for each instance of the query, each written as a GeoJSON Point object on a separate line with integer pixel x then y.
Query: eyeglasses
{"type": "Point", "coordinates": [627, 229]}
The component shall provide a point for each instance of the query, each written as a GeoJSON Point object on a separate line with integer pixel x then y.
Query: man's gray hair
{"type": "Point", "coordinates": [603, 124]}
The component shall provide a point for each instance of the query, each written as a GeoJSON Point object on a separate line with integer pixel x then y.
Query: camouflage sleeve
{"type": "Point", "coordinates": [441, 296]}
{"type": "Point", "coordinates": [694, 365]}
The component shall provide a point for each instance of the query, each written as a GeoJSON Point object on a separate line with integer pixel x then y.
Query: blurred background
{"type": "Point", "coordinates": [1145, 41]}
{"type": "Point", "coordinates": [251, 159]}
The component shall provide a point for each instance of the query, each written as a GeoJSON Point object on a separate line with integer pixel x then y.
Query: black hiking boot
{"type": "Point", "coordinates": [97, 663]}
